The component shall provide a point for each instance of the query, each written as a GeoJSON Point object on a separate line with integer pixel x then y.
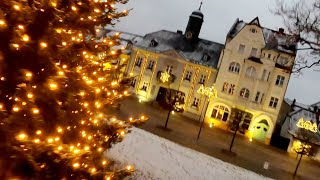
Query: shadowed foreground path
{"type": "Point", "coordinates": [249, 155]}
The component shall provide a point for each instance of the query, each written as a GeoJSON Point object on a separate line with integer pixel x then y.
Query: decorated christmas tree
{"type": "Point", "coordinates": [57, 82]}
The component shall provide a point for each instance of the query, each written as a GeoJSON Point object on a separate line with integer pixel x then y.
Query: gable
{"type": "Point", "coordinates": [251, 36]}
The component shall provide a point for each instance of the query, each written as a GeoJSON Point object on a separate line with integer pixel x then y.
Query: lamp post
{"type": "Point", "coordinates": [165, 77]}
{"type": "Point", "coordinates": [208, 92]}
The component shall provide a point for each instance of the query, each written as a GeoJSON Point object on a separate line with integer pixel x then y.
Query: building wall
{"type": "Point", "coordinates": [264, 82]}
{"type": "Point", "coordinates": [180, 68]}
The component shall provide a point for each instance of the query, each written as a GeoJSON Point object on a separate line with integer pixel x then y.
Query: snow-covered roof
{"type": "Point", "coordinates": [193, 52]}
{"type": "Point", "coordinates": [274, 40]}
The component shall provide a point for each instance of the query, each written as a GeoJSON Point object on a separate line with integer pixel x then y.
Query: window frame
{"type": "Point", "coordinates": [241, 48]}
{"type": "Point", "coordinates": [256, 52]}
{"type": "Point", "coordinates": [280, 80]}
{"type": "Point", "coordinates": [188, 76]}
{"type": "Point", "coordinates": [234, 67]}
{"type": "Point", "coordinates": [169, 69]}
{"type": "Point", "coordinates": [244, 93]}
{"type": "Point", "coordinates": [202, 79]}
{"type": "Point", "coordinates": [273, 102]}
{"type": "Point", "coordinates": [195, 102]}
{"type": "Point", "coordinates": [139, 61]}
{"type": "Point", "coordinates": [145, 86]}
{"type": "Point", "coordinates": [228, 88]}
{"type": "Point", "coordinates": [151, 65]}
{"type": "Point", "coordinates": [217, 109]}
{"type": "Point", "coordinates": [252, 72]}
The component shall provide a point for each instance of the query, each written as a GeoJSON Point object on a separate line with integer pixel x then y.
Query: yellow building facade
{"type": "Point", "coordinates": [251, 72]}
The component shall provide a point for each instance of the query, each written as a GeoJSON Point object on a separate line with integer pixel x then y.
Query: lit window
{"type": "Point", "coordinates": [195, 102]}
{"type": "Point", "coordinates": [273, 102]}
{"type": "Point", "coordinates": [280, 80]}
{"type": "Point", "coordinates": [245, 93]}
{"type": "Point", "coordinates": [144, 86]}
{"type": "Point", "coordinates": [251, 72]}
{"type": "Point", "coordinates": [241, 48]}
{"type": "Point", "coordinates": [234, 67]}
{"type": "Point", "coordinates": [169, 69]}
{"type": "Point", "coordinates": [202, 79]}
{"type": "Point", "coordinates": [139, 61]}
{"type": "Point", "coordinates": [188, 76]}
{"type": "Point", "coordinates": [150, 65]}
{"type": "Point", "coordinates": [220, 112]}
{"type": "Point", "coordinates": [254, 52]}
{"type": "Point", "coordinates": [228, 88]}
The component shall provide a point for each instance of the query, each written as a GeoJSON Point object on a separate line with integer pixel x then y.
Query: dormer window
{"type": "Point", "coordinates": [153, 43]}
{"type": "Point", "coordinates": [283, 60]}
{"type": "Point", "coordinates": [253, 30]}
{"type": "Point", "coordinates": [206, 57]}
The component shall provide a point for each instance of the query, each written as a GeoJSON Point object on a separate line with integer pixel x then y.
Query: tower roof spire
{"type": "Point", "coordinates": [200, 5]}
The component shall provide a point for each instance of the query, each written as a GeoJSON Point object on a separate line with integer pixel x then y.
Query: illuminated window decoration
{"type": "Point", "coordinates": [308, 125]}
{"type": "Point", "coordinates": [208, 91]}
{"type": "Point", "coordinates": [165, 77]}
{"type": "Point", "coordinates": [300, 147]}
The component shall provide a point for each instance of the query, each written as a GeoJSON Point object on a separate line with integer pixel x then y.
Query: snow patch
{"type": "Point", "coordinates": [157, 158]}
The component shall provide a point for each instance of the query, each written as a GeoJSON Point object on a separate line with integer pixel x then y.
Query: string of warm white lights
{"type": "Point", "coordinates": [57, 84]}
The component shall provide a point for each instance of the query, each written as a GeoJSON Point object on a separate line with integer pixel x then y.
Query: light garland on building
{"type": "Point", "coordinates": [308, 125]}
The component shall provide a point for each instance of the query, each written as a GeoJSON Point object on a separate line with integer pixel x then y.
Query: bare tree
{"type": "Point", "coordinates": [302, 20]}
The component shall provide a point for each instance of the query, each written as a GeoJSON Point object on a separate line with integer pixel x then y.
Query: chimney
{"type": "Point", "coordinates": [281, 30]}
{"type": "Point", "coordinates": [179, 32]}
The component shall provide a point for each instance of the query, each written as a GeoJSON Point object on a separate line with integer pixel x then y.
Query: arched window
{"type": "Point", "coordinates": [251, 72]}
{"type": "Point", "coordinates": [245, 93]}
{"type": "Point", "coordinates": [220, 112]}
{"type": "Point", "coordinates": [234, 67]}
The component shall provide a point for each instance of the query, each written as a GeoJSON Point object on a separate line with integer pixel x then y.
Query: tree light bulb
{"type": "Point", "coordinates": [64, 43]}
{"type": "Point", "coordinates": [30, 95]}
{"type": "Point", "coordinates": [59, 129]}
{"type": "Point", "coordinates": [25, 38]}
{"type": "Point", "coordinates": [43, 44]}
{"type": "Point", "coordinates": [61, 73]}
{"type": "Point", "coordinates": [16, 7]}
{"type": "Point", "coordinates": [73, 8]}
{"type": "Point", "coordinates": [53, 86]}
{"type": "Point", "coordinates": [76, 165]}
{"type": "Point", "coordinates": [16, 109]}
{"type": "Point", "coordinates": [29, 74]}
{"type": "Point", "coordinates": [36, 141]}
{"type": "Point", "coordinates": [35, 111]}
{"type": "Point", "coordinates": [38, 132]}
{"type": "Point", "coordinates": [21, 27]}
{"type": "Point", "coordinates": [54, 4]}
{"type": "Point", "coordinates": [2, 22]}
{"type": "Point", "coordinates": [22, 136]}
{"type": "Point", "coordinates": [93, 170]}
{"type": "Point", "coordinates": [60, 148]}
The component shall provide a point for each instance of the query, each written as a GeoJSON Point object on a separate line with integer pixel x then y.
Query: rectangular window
{"type": "Point", "coordinates": [280, 80]}
{"type": "Point", "coordinates": [133, 83]}
{"type": "Point", "coordinates": [273, 102]}
{"type": "Point", "coordinates": [195, 102]}
{"type": "Point", "coordinates": [269, 56]}
{"type": "Point", "coordinates": [169, 69]}
{"type": "Point", "coordinates": [139, 61]}
{"type": "Point", "coordinates": [261, 100]}
{"type": "Point", "coordinates": [188, 76]}
{"type": "Point", "coordinates": [257, 97]}
{"type": "Point", "coordinates": [254, 52]}
{"type": "Point", "coordinates": [150, 65]}
{"type": "Point", "coordinates": [228, 88]}
{"type": "Point", "coordinates": [241, 48]}
{"type": "Point", "coordinates": [144, 86]}
{"type": "Point", "coordinates": [202, 79]}
{"type": "Point", "coordinates": [264, 73]}
{"type": "Point", "coordinates": [268, 76]}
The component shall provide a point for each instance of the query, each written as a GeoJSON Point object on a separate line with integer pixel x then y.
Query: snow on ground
{"type": "Point", "coordinates": [157, 158]}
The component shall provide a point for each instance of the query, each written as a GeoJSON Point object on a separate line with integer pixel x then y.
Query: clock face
{"type": "Point", "coordinates": [189, 35]}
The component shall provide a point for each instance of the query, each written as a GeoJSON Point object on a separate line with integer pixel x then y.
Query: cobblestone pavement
{"type": "Point", "coordinates": [214, 142]}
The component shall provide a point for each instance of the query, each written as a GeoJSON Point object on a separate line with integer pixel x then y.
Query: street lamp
{"type": "Point", "coordinates": [208, 92]}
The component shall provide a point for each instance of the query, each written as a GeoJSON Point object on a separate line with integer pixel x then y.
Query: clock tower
{"type": "Point", "coordinates": [194, 25]}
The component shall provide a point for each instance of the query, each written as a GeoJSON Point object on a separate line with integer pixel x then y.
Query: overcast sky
{"type": "Point", "coordinates": [153, 15]}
